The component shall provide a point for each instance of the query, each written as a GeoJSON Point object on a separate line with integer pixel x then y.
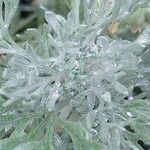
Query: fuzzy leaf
{"type": "Point", "coordinates": [120, 88]}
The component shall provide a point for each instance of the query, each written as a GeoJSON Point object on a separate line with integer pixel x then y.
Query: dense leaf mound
{"type": "Point", "coordinates": [72, 86]}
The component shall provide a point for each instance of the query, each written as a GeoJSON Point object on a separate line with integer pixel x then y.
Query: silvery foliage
{"type": "Point", "coordinates": [65, 87]}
